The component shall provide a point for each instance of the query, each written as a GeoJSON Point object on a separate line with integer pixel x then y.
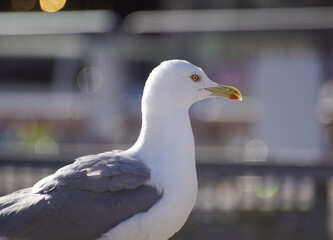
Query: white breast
{"type": "Point", "coordinates": [168, 215]}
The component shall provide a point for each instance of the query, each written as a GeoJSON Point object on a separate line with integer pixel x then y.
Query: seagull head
{"type": "Point", "coordinates": [184, 83]}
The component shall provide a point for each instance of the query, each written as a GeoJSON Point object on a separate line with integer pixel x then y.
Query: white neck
{"type": "Point", "coordinates": [165, 130]}
{"type": "Point", "coordinates": [166, 145]}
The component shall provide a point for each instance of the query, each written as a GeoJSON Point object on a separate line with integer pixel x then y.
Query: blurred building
{"type": "Point", "coordinates": [71, 84]}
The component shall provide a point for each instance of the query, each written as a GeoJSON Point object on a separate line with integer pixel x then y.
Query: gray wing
{"type": "Point", "coordinates": [80, 201]}
{"type": "Point", "coordinates": [98, 173]}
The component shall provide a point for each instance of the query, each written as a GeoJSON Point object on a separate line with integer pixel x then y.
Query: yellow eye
{"type": "Point", "coordinates": [195, 77]}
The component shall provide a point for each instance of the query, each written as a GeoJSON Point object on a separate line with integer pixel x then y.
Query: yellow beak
{"type": "Point", "coordinates": [228, 92]}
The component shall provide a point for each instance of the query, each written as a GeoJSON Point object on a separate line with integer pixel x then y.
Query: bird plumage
{"type": "Point", "coordinates": [60, 206]}
{"type": "Point", "coordinates": [144, 193]}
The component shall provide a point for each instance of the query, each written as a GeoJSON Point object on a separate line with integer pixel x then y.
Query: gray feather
{"type": "Point", "coordinates": [115, 170]}
{"type": "Point", "coordinates": [70, 215]}
{"type": "Point", "coordinates": [80, 201]}
{"type": "Point", "coordinates": [87, 172]}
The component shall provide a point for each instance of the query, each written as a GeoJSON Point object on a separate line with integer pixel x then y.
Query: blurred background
{"type": "Point", "coordinates": [71, 79]}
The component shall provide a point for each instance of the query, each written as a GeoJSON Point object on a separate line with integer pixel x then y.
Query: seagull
{"type": "Point", "coordinates": [144, 193]}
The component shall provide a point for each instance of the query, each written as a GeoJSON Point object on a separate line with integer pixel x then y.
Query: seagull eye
{"type": "Point", "coordinates": [195, 77]}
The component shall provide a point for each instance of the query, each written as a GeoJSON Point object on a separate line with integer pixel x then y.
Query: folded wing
{"type": "Point", "coordinates": [82, 200]}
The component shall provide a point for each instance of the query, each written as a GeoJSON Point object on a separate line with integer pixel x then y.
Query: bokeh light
{"type": "Point", "coordinates": [52, 5]}
{"type": "Point", "coordinates": [325, 114]}
{"type": "Point", "coordinates": [46, 145]}
{"type": "Point", "coordinates": [207, 110]}
{"type": "Point", "coordinates": [23, 5]}
{"type": "Point", "coordinates": [266, 190]}
{"type": "Point", "coordinates": [89, 80]}
{"type": "Point", "coordinates": [255, 151]}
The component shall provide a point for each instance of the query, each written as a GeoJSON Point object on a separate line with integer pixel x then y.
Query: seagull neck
{"type": "Point", "coordinates": [166, 129]}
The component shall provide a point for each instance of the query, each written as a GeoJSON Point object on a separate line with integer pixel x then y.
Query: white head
{"type": "Point", "coordinates": [180, 82]}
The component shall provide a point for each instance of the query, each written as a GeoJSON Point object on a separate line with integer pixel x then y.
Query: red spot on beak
{"type": "Point", "coordinates": [233, 97]}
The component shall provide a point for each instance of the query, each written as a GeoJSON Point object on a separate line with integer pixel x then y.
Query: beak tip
{"type": "Point", "coordinates": [235, 97]}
